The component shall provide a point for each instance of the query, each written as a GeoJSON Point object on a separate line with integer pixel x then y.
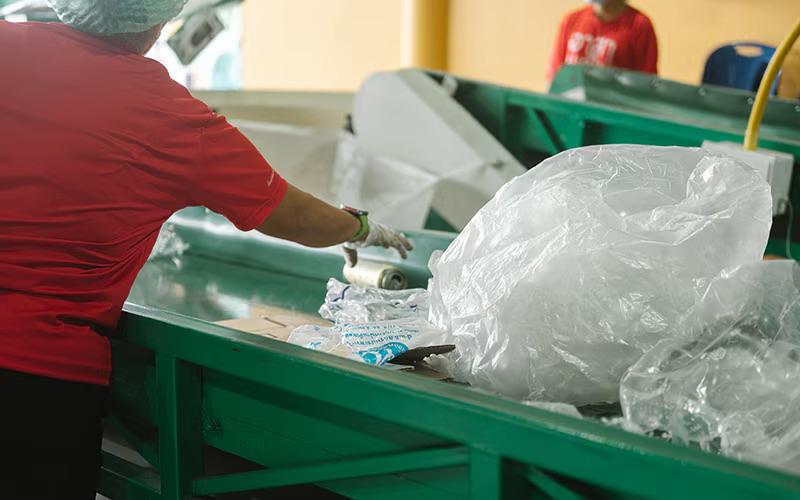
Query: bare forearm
{"type": "Point", "coordinates": [304, 219]}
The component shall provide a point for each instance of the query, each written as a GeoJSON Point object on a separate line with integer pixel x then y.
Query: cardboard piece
{"type": "Point", "coordinates": [278, 323]}
{"type": "Point", "coordinates": [273, 322]}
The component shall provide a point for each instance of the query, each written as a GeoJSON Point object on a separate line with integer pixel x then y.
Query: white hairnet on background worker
{"type": "Point", "coordinates": [111, 17]}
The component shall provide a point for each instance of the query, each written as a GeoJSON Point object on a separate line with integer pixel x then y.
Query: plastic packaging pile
{"type": "Point", "coordinates": [619, 273]}
{"type": "Point", "coordinates": [731, 385]}
{"type": "Point", "coordinates": [370, 325]}
{"type": "Point", "coordinates": [578, 267]}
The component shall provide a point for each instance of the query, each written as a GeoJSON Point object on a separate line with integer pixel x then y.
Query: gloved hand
{"type": "Point", "coordinates": [379, 235]}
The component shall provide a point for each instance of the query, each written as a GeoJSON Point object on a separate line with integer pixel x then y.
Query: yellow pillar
{"type": "Point", "coordinates": [423, 42]}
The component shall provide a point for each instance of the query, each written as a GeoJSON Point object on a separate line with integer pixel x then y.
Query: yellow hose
{"type": "Point", "coordinates": [757, 113]}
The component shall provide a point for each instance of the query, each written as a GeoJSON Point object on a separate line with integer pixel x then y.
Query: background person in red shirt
{"type": "Point", "coordinates": [606, 33]}
{"type": "Point", "coordinates": [98, 147]}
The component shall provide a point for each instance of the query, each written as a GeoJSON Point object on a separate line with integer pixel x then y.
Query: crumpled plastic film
{"type": "Point", "coordinates": [371, 325]}
{"type": "Point", "coordinates": [732, 386]}
{"type": "Point", "coordinates": [374, 343]}
{"type": "Point", "coordinates": [576, 268]}
{"type": "Point", "coordinates": [354, 304]}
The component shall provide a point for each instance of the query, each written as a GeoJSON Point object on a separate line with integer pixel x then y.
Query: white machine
{"type": "Point", "coordinates": [407, 117]}
{"type": "Point", "coordinates": [774, 166]}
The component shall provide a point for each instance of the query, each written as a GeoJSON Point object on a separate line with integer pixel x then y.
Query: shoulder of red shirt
{"type": "Point", "coordinates": [587, 12]}
{"type": "Point", "coordinates": [639, 16]}
{"type": "Point", "coordinates": [149, 72]}
{"type": "Point", "coordinates": [578, 14]}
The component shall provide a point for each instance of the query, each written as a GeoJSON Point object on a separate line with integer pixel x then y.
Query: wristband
{"type": "Point", "coordinates": [363, 218]}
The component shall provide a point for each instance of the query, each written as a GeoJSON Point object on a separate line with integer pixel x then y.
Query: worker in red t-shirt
{"type": "Point", "coordinates": [606, 33]}
{"type": "Point", "coordinates": [98, 147]}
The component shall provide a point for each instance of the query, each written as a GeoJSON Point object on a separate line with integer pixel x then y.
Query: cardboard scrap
{"type": "Point", "coordinates": [278, 323]}
{"type": "Point", "coordinates": [273, 322]}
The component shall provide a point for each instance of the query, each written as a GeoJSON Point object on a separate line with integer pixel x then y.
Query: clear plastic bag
{"type": "Point", "coordinates": [576, 268]}
{"type": "Point", "coordinates": [354, 304]}
{"type": "Point", "coordinates": [371, 325]}
{"type": "Point", "coordinates": [733, 384]}
{"type": "Point", "coordinates": [375, 343]}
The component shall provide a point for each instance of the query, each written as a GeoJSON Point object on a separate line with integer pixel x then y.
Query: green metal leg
{"type": "Point", "coordinates": [551, 487]}
{"type": "Point", "coordinates": [121, 480]}
{"type": "Point", "coordinates": [332, 470]}
{"type": "Point", "coordinates": [493, 478]}
{"type": "Point", "coordinates": [542, 125]}
{"type": "Point", "coordinates": [180, 434]}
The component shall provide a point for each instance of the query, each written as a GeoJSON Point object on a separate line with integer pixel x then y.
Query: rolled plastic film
{"type": "Point", "coordinates": [376, 274]}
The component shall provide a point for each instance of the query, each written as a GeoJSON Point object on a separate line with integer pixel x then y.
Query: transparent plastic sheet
{"type": "Point", "coordinates": [370, 325]}
{"type": "Point", "coordinates": [354, 304]}
{"type": "Point", "coordinates": [375, 343]}
{"type": "Point", "coordinates": [732, 383]}
{"type": "Point", "coordinates": [576, 268]}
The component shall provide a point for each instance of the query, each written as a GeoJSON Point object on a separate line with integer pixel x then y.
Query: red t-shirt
{"type": "Point", "coordinates": [98, 147]}
{"type": "Point", "coordinates": [628, 41]}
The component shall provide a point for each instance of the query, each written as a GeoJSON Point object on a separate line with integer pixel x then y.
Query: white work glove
{"type": "Point", "coordinates": [379, 235]}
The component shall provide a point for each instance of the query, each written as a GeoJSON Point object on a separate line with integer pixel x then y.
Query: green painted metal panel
{"type": "Point", "coordinates": [333, 469]}
{"type": "Point", "coordinates": [494, 478]}
{"type": "Point", "coordinates": [580, 449]}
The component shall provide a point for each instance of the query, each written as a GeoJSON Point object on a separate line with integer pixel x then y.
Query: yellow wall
{"type": "Point", "coordinates": [318, 44]}
{"type": "Point", "coordinates": [509, 41]}
{"type": "Point", "coordinates": [334, 44]}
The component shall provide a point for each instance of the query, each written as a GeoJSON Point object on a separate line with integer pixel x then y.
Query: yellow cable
{"type": "Point", "coordinates": [757, 113]}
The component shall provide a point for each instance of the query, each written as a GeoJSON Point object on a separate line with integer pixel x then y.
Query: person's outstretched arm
{"type": "Point", "coordinates": [304, 219]}
{"type": "Point", "coordinates": [232, 178]}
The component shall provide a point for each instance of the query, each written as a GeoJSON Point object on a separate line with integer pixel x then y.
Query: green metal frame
{"type": "Point", "coordinates": [369, 432]}
{"type": "Point", "coordinates": [590, 105]}
{"type": "Point", "coordinates": [613, 106]}
{"type": "Point", "coordinates": [183, 386]}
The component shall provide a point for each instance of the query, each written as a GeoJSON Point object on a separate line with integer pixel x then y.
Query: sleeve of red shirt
{"type": "Point", "coordinates": [648, 47]}
{"type": "Point", "coordinates": [559, 50]}
{"type": "Point", "coordinates": [233, 179]}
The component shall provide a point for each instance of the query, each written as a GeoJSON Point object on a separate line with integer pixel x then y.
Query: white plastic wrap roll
{"type": "Point", "coordinates": [377, 275]}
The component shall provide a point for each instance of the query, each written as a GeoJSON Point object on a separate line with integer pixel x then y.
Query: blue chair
{"type": "Point", "coordinates": [739, 65]}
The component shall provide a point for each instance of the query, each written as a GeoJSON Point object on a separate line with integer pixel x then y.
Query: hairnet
{"type": "Point", "coordinates": [110, 17]}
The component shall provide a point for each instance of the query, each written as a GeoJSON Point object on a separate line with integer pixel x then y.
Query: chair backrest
{"type": "Point", "coordinates": [740, 65]}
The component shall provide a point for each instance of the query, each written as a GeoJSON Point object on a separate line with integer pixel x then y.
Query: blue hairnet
{"type": "Point", "coordinates": [110, 17]}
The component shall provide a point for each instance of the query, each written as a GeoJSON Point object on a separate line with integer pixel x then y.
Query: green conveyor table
{"type": "Point", "coordinates": [213, 411]}
{"type": "Point", "coordinates": [187, 392]}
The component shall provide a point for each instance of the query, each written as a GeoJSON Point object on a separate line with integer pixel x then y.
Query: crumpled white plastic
{"type": "Point", "coordinates": [375, 343]}
{"type": "Point", "coordinates": [732, 384]}
{"type": "Point", "coordinates": [370, 325]}
{"type": "Point", "coordinates": [355, 304]}
{"type": "Point", "coordinates": [576, 268]}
